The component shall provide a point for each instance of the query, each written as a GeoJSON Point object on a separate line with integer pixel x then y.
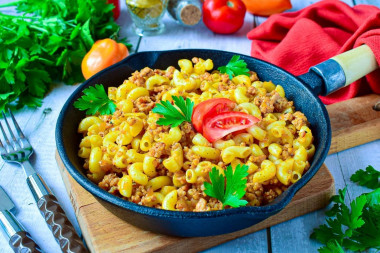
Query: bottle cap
{"type": "Point", "coordinates": [189, 14]}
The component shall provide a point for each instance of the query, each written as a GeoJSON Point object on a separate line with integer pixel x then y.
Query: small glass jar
{"type": "Point", "coordinates": [147, 16]}
{"type": "Point", "coordinates": [185, 12]}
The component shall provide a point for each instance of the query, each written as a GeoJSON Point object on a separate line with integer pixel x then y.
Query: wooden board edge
{"type": "Point", "coordinates": [68, 181]}
{"type": "Point", "coordinates": [354, 136]}
{"type": "Point", "coordinates": [353, 122]}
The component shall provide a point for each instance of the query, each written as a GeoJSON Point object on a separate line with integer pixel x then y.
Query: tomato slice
{"type": "Point", "coordinates": [209, 108]}
{"type": "Point", "coordinates": [222, 124]}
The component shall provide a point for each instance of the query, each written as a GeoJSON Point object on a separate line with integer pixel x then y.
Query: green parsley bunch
{"type": "Point", "coordinates": [47, 43]}
{"type": "Point", "coordinates": [356, 227]}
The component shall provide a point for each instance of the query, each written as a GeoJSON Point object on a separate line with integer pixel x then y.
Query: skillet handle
{"type": "Point", "coordinates": [341, 70]}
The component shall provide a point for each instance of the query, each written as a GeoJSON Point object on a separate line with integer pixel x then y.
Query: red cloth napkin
{"type": "Point", "coordinates": [298, 40]}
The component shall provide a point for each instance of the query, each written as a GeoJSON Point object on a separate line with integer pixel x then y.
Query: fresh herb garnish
{"type": "Point", "coordinates": [228, 189]}
{"type": "Point", "coordinates": [369, 178]}
{"type": "Point", "coordinates": [235, 67]}
{"type": "Point", "coordinates": [46, 42]}
{"type": "Point", "coordinates": [171, 114]}
{"type": "Point", "coordinates": [95, 100]}
{"type": "Point", "coordinates": [357, 229]}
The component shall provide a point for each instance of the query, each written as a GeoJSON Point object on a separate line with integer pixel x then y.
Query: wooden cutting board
{"type": "Point", "coordinates": [354, 122]}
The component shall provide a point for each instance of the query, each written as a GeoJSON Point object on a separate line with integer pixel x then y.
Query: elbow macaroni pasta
{"type": "Point", "coordinates": [131, 156]}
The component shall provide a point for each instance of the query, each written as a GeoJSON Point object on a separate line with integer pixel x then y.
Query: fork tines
{"type": "Point", "coordinates": [17, 142]}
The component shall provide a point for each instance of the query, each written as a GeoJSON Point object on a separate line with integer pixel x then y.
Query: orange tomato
{"type": "Point", "coordinates": [267, 7]}
{"type": "Point", "coordinates": [103, 54]}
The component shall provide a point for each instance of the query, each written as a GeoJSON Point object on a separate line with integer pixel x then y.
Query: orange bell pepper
{"type": "Point", "coordinates": [103, 54]}
{"type": "Point", "coordinates": [267, 7]}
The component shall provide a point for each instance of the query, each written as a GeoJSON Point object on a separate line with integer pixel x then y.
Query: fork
{"type": "Point", "coordinates": [18, 150]}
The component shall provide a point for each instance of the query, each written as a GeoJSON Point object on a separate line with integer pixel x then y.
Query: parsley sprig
{"type": "Point", "coordinates": [235, 67]}
{"type": "Point", "coordinates": [95, 100]}
{"type": "Point", "coordinates": [173, 116]}
{"type": "Point", "coordinates": [356, 228]}
{"type": "Point", "coordinates": [369, 178]}
{"type": "Point", "coordinates": [228, 189]}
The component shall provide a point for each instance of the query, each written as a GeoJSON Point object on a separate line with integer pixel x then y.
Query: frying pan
{"type": "Point", "coordinates": [322, 79]}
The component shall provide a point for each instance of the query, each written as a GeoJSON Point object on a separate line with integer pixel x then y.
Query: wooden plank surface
{"type": "Point", "coordinates": [104, 232]}
{"type": "Point", "coordinates": [371, 2]}
{"type": "Point", "coordinates": [38, 125]}
{"type": "Point", "coordinates": [12, 178]}
{"type": "Point", "coordinates": [198, 37]}
{"type": "Point", "coordinates": [354, 122]}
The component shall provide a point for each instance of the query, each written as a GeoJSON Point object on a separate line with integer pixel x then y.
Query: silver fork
{"type": "Point", "coordinates": [18, 150]}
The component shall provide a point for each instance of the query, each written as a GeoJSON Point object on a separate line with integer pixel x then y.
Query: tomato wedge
{"type": "Point", "coordinates": [222, 124]}
{"type": "Point", "coordinates": [210, 108]}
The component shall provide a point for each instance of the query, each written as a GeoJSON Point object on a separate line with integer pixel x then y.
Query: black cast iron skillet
{"type": "Point", "coordinates": [303, 90]}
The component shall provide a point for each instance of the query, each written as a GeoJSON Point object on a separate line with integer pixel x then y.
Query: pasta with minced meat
{"type": "Point", "coordinates": [129, 155]}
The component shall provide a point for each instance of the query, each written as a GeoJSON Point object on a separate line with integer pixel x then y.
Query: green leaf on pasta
{"type": "Point", "coordinates": [235, 67]}
{"type": "Point", "coordinates": [171, 115]}
{"type": "Point", "coordinates": [95, 100]}
{"type": "Point", "coordinates": [228, 188]}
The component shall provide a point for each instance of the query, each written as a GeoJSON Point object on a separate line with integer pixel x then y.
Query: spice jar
{"type": "Point", "coordinates": [185, 12]}
{"type": "Point", "coordinates": [147, 16]}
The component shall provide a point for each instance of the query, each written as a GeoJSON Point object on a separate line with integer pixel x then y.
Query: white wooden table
{"type": "Point", "coordinates": [39, 126]}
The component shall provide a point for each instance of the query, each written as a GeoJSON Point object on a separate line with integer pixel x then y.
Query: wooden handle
{"type": "Point", "coordinates": [60, 226]}
{"type": "Point", "coordinates": [357, 63]}
{"type": "Point", "coordinates": [23, 242]}
{"type": "Point", "coordinates": [344, 69]}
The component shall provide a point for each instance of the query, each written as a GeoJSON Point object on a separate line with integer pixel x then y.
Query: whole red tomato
{"type": "Point", "coordinates": [224, 16]}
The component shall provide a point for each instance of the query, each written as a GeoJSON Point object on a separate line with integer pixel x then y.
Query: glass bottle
{"type": "Point", "coordinates": [147, 16]}
{"type": "Point", "coordinates": [185, 12]}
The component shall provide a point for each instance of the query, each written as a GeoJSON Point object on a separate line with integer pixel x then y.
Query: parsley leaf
{"type": "Point", "coordinates": [171, 114]}
{"type": "Point", "coordinates": [95, 100]}
{"type": "Point", "coordinates": [332, 246]}
{"type": "Point", "coordinates": [235, 67]}
{"type": "Point", "coordinates": [356, 228]}
{"type": "Point", "coordinates": [369, 178]}
{"type": "Point", "coordinates": [228, 189]}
